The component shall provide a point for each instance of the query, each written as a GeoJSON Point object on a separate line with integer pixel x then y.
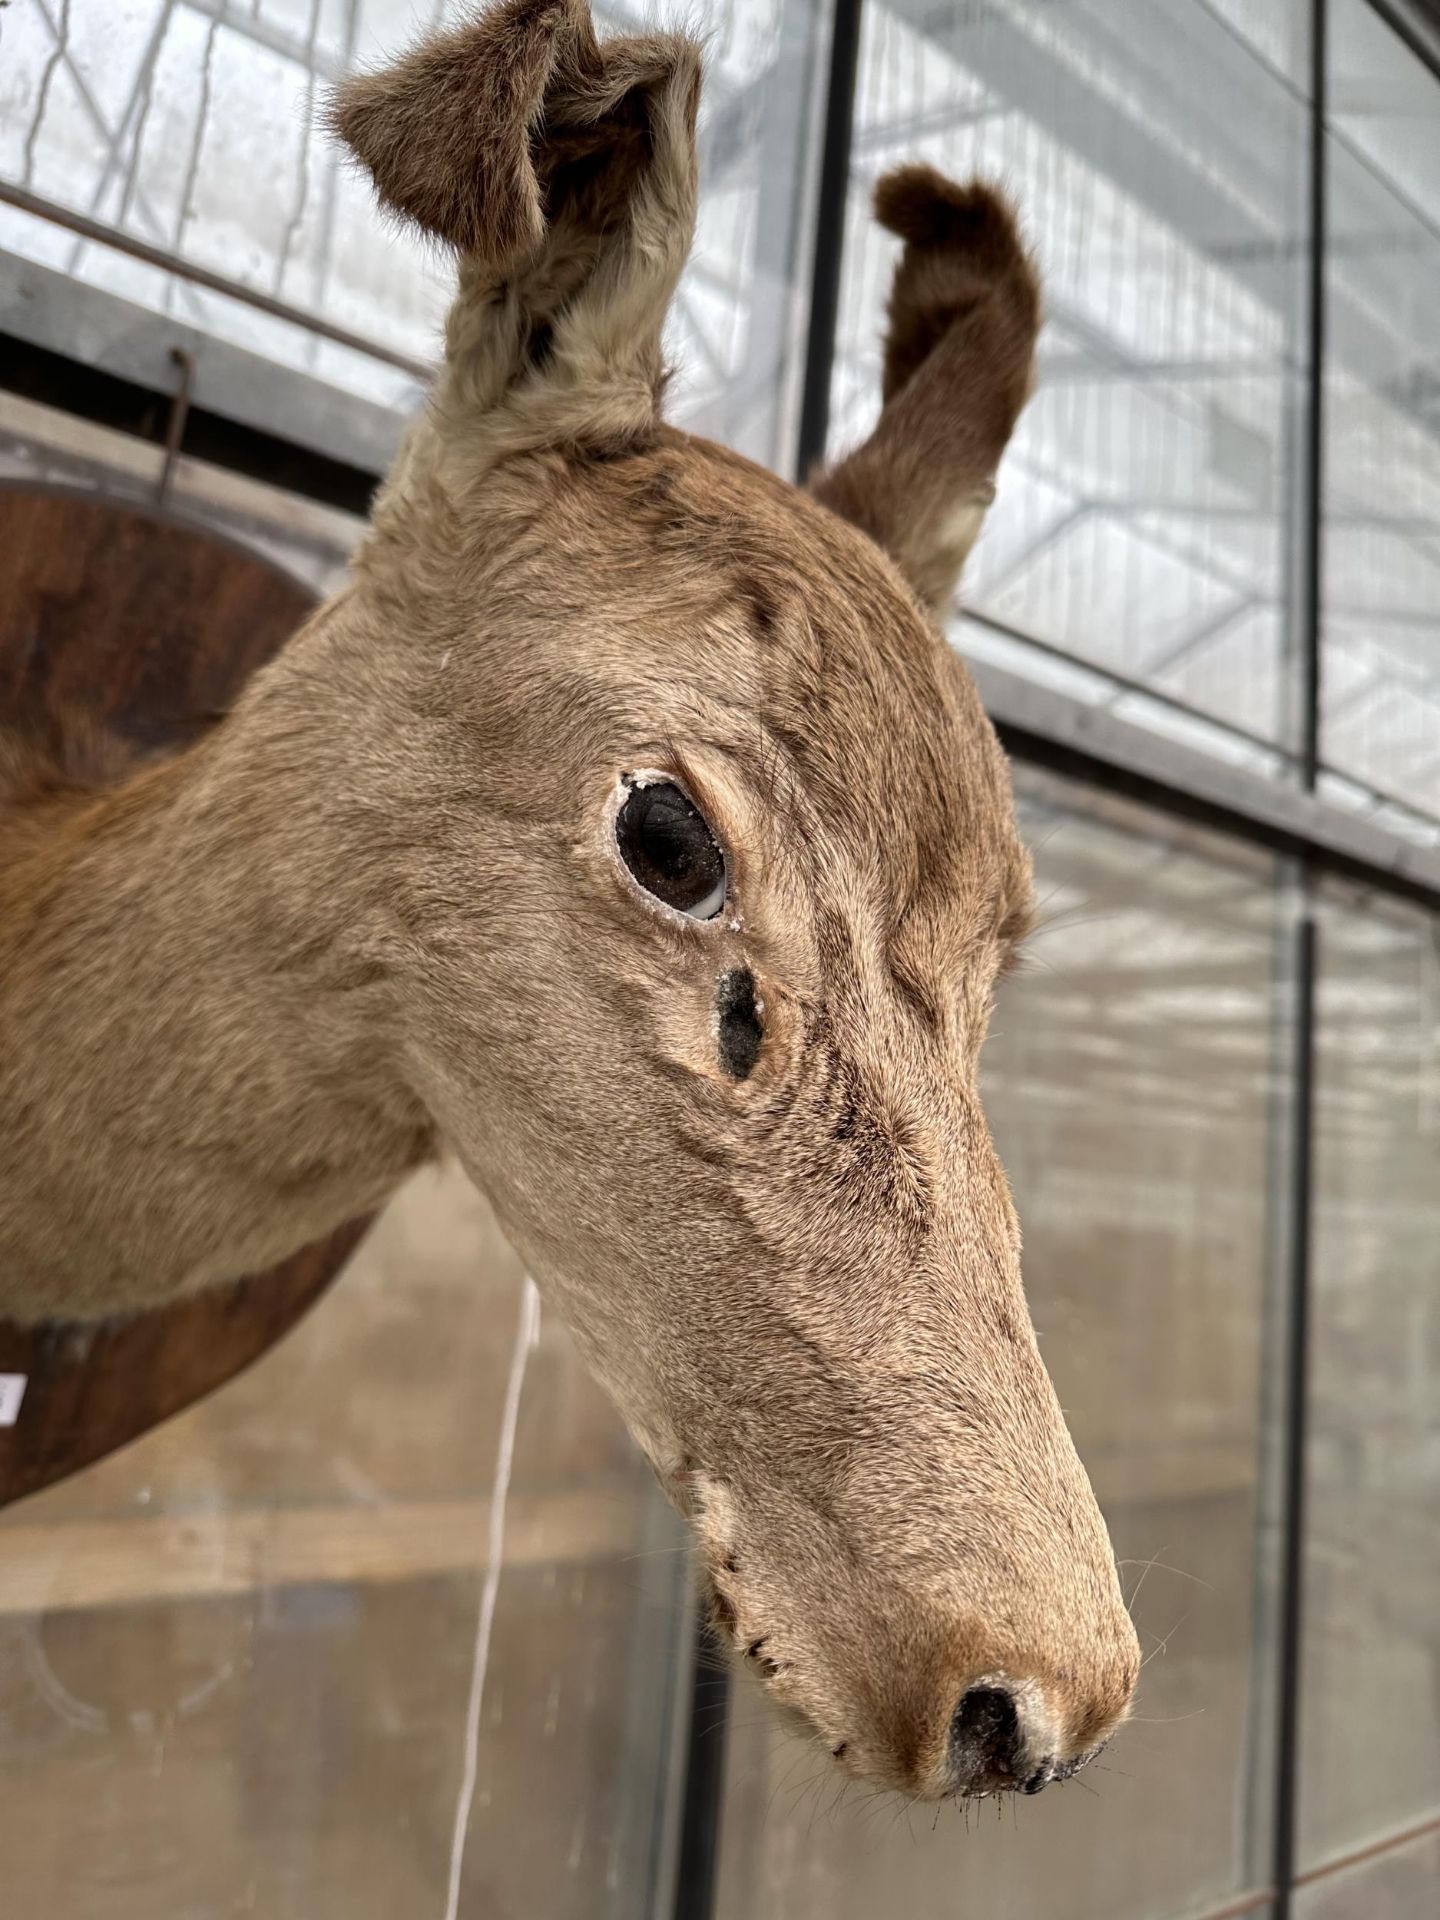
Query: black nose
{"type": "Point", "coordinates": [988, 1745]}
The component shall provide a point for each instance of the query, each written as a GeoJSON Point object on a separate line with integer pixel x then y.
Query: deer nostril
{"type": "Point", "coordinates": [985, 1741]}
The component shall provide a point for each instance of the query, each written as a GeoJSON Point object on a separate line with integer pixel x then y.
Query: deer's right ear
{"type": "Point", "coordinates": [562, 169]}
{"type": "Point", "coordinates": [445, 133]}
{"type": "Point", "coordinates": [959, 357]}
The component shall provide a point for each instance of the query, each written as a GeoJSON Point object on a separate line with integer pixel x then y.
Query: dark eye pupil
{"type": "Point", "coordinates": [666, 844]}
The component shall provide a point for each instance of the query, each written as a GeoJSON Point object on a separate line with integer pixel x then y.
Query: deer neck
{"type": "Point", "coordinates": [196, 1069]}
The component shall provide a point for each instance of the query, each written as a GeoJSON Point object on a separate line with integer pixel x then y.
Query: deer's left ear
{"type": "Point", "coordinates": [959, 358]}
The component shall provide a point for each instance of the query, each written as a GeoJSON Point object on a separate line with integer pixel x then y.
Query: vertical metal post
{"type": "Point", "coordinates": [1310, 587]}
{"type": "Point", "coordinates": [698, 1869]}
{"type": "Point", "coordinates": [828, 258]}
{"type": "Point", "coordinates": [1311, 576]}
{"type": "Point", "coordinates": [1297, 1382]}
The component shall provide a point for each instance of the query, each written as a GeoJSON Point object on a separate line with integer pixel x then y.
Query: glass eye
{"type": "Point", "coordinates": [666, 843]}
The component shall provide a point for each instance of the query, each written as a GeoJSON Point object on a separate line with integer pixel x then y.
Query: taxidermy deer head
{"type": "Point", "coordinates": [629, 830]}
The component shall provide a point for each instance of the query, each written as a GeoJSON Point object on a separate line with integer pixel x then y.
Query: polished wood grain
{"type": "Point", "coordinates": [145, 625]}
{"type": "Point", "coordinates": [120, 624]}
{"type": "Point", "coordinates": [90, 1388]}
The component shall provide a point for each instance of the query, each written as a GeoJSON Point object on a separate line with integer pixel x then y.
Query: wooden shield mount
{"type": "Point", "coordinates": [150, 626]}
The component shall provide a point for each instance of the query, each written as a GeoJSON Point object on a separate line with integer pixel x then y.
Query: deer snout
{"type": "Point", "coordinates": [1000, 1740]}
{"type": "Point", "coordinates": [1008, 1735]}
{"type": "Point", "coordinates": [989, 1749]}
{"type": "Point", "coordinates": [1003, 1734]}
{"type": "Point", "coordinates": [947, 1684]}
{"type": "Point", "coordinates": [1015, 1732]}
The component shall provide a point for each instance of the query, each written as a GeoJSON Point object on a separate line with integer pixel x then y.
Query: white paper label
{"type": "Point", "coordinates": [12, 1392]}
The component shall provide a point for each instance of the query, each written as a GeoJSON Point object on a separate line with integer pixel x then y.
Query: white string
{"type": "Point", "coordinates": [526, 1336]}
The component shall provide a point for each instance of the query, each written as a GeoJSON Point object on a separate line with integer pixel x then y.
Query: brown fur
{"type": "Point", "coordinates": [959, 349]}
{"type": "Point", "coordinates": [380, 909]}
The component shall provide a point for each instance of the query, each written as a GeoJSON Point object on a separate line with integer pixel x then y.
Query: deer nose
{"type": "Point", "coordinates": [990, 1749]}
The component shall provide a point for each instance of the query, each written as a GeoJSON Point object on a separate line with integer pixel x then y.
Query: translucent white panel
{"type": "Point", "coordinates": [1110, 594]}
{"type": "Point", "coordinates": [1157, 155]}
{"type": "Point", "coordinates": [1235, 673]}
{"type": "Point", "coordinates": [1384, 102]}
{"type": "Point", "coordinates": [1381, 548]}
{"type": "Point", "coordinates": [1370, 1754]}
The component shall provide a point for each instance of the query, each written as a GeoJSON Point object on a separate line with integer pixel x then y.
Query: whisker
{"type": "Point", "coordinates": [1165, 1567]}
{"type": "Point", "coordinates": [1145, 1575]}
{"type": "Point", "coordinates": [1165, 1642]}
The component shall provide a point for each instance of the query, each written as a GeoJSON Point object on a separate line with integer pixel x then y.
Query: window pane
{"type": "Point", "coordinates": [1370, 1757]}
{"type": "Point", "coordinates": [1158, 154]}
{"type": "Point", "coordinates": [1130, 1078]}
{"type": "Point", "coordinates": [1381, 633]}
{"type": "Point", "coordinates": [263, 1661]}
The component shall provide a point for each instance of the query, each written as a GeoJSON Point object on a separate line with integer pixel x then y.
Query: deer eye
{"type": "Point", "coordinates": [667, 844]}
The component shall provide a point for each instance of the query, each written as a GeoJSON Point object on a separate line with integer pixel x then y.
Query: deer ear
{"type": "Point", "coordinates": [562, 169]}
{"type": "Point", "coordinates": [959, 356]}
